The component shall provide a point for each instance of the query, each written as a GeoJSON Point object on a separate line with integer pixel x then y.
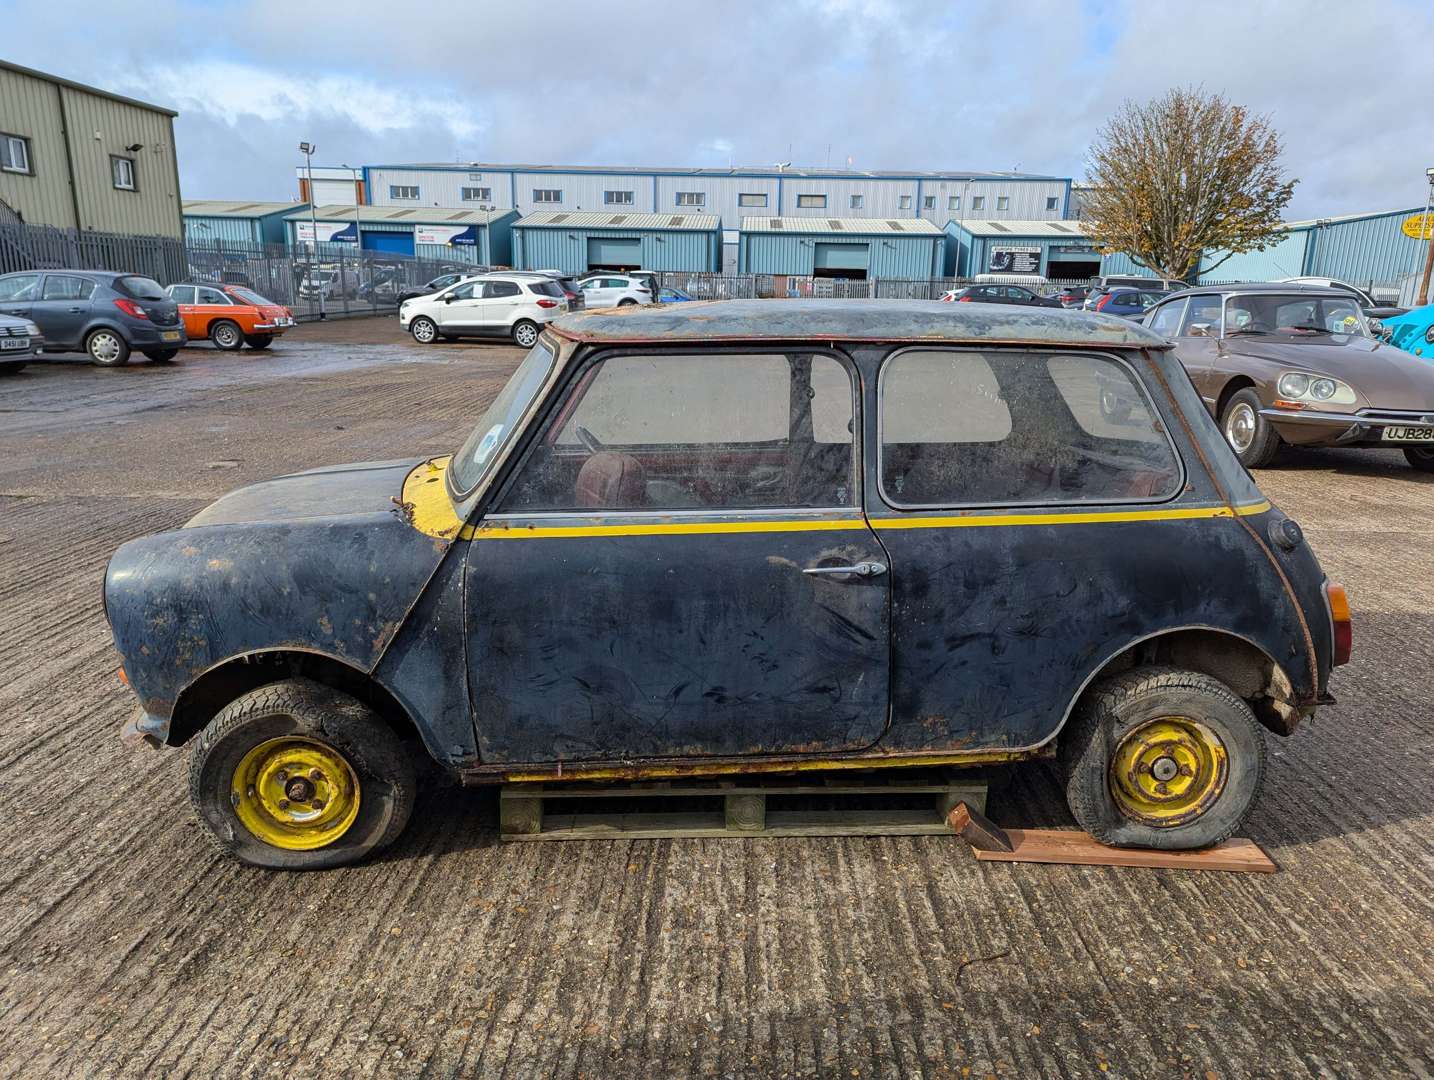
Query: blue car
{"type": "Point", "coordinates": [1131, 303]}
{"type": "Point", "coordinates": [667, 295]}
{"type": "Point", "coordinates": [1413, 331]}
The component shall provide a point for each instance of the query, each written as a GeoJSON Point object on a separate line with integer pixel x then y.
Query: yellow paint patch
{"type": "Point", "coordinates": [425, 501]}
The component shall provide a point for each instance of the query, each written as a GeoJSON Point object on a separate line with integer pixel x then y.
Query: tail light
{"type": "Point", "coordinates": [1100, 304]}
{"type": "Point", "coordinates": [130, 308]}
{"type": "Point", "coordinates": [1343, 628]}
{"type": "Point", "coordinates": [547, 303]}
{"type": "Point", "coordinates": [964, 300]}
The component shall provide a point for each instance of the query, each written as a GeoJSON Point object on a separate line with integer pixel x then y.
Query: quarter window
{"type": "Point", "coordinates": [966, 428]}
{"type": "Point", "coordinates": [719, 432]}
{"type": "Point", "coordinates": [752, 198]}
{"type": "Point", "coordinates": [547, 195]}
{"type": "Point", "coordinates": [476, 194]}
{"type": "Point", "coordinates": [122, 173]}
{"type": "Point", "coordinates": [15, 153]}
{"type": "Point", "coordinates": [403, 191]}
{"type": "Point", "coordinates": [617, 198]}
{"type": "Point", "coordinates": [64, 287]}
{"type": "Point", "coordinates": [691, 198]}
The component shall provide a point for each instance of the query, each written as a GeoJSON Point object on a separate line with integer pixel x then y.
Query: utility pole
{"type": "Point", "coordinates": [307, 149]}
{"type": "Point", "coordinates": [1428, 234]}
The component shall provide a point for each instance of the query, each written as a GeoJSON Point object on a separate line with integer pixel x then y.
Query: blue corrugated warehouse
{"type": "Point", "coordinates": [483, 237]}
{"type": "Point", "coordinates": [1059, 250]}
{"type": "Point", "coordinates": [851, 248]}
{"type": "Point", "coordinates": [578, 242]}
{"type": "Point", "coordinates": [235, 221]}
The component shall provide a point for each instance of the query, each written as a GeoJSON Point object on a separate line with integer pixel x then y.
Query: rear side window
{"type": "Point", "coordinates": [545, 288]}
{"type": "Point", "coordinates": [140, 288]}
{"type": "Point", "coordinates": [495, 290]}
{"type": "Point", "coordinates": [64, 287]}
{"type": "Point", "coordinates": [969, 428]}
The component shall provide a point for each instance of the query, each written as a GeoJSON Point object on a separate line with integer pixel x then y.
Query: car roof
{"type": "Point", "coordinates": [853, 320]}
{"type": "Point", "coordinates": [107, 275]}
{"type": "Point", "coordinates": [1258, 287]}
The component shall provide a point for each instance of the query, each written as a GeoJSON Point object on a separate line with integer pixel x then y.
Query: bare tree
{"type": "Point", "coordinates": [1187, 174]}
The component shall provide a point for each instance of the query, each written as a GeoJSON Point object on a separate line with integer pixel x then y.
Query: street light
{"type": "Point", "coordinates": [307, 149]}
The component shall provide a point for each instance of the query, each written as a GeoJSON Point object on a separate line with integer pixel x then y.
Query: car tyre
{"type": "Point", "coordinates": [1252, 437]}
{"type": "Point", "coordinates": [424, 330]}
{"type": "Point", "coordinates": [106, 348]}
{"type": "Point", "coordinates": [525, 333]}
{"type": "Point", "coordinates": [11, 369]}
{"type": "Point", "coordinates": [161, 356]}
{"type": "Point", "coordinates": [1127, 731]}
{"type": "Point", "coordinates": [629, 302]}
{"type": "Point", "coordinates": [226, 335]}
{"type": "Point", "coordinates": [259, 341]}
{"type": "Point", "coordinates": [237, 778]}
{"type": "Point", "coordinates": [1420, 457]}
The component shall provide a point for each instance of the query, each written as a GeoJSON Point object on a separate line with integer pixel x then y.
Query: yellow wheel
{"type": "Point", "coordinates": [296, 793]}
{"type": "Point", "coordinates": [1167, 772]}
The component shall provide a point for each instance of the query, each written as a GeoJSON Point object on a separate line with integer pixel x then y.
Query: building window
{"type": "Point", "coordinates": [547, 195]}
{"type": "Point", "coordinates": [755, 198]}
{"type": "Point", "coordinates": [953, 202]}
{"type": "Point", "coordinates": [928, 202]}
{"type": "Point", "coordinates": [811, 202]}
{"type": "Point", "coordinates": [617, 198]}
{"type": "Point", "coordinates": [978, 202]}
{"type": "Point", "coordinates": [477, 194]}
{"type": "Point", "coordinates": [1003, 202]}
{"type": "Point", "coordinates": [1051, 202]}
{"type": "Point", "coordinates": [475, 176]}
{"type": "Point", "coordinates": [904, 202]}
{"type": "Point", "coordinates": [15, 154]}
{"type": "Point", "coordinates": [122, 173]}
{"type": "Point", "coordinates": [691, 198]}
{"type": "Point", "coordinates": [403, 191]}
{"type": "Point", "coordinates": [857, 201]}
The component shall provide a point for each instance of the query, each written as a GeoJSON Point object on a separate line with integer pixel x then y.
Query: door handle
{"type": "Point", "coordinates": [861, 569]}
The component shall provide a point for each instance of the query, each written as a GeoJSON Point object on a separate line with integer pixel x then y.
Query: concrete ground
{"type": "Point", "coordinates": [127, 947]}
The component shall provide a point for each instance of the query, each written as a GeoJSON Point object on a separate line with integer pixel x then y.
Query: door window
{"type": "Point", "coordinates": [497, 290]}
{"type": "Point", "coordinates": [1167, 320]}
{"type": "Point", "coordinates": [210, 296]}
{"type": "Point", "coordinates": [182, 294]}
{"type": "Point", "coordinates": [715, 432]}
{"type": "Point", "coordinates": [1202, 310]}
{"type": "Point", "coordinates": [19, 287]}
{"type": "Point", "coordinates": [967, 428]}
{"type": "Point", "coordinates": [64, 287]}
{"type": "Point", "coordinates": [466, 291]}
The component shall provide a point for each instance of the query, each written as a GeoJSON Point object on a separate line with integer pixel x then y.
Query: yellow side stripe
{"type": "Point", "coordinates": [697, 528]}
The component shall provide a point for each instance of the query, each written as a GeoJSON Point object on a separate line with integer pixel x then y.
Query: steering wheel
{"type": "Point", "coordinates": [589, 440]}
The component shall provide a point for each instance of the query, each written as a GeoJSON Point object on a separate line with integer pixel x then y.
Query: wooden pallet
{"type": "Point", "coordinates": [809, 805]}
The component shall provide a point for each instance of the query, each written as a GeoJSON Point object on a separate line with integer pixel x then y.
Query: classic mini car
{"type": "Point", "coordinates": [231, 316]}
{"type": "Point", "coordinates": [742, 537]}
{"type": "Point", "coordinates": [1412, 331]}
{"type": "Point", "coordinates": [1297, 364]}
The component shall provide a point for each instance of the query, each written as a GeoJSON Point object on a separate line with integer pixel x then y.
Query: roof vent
{"type": "Point", "coordinates": [835, 224]}
{"type": "Point", "coordinates": [776, 222]}
{"type": "Point", "coordinates": [896, 226]}
{"type": "Point", "coordinates": [618, 220]}
{"type": "Point", "coordinates": [676, 221]}
{"type": "Point", "coordinates": [998, 226]}
{"type": "Point", "coordinates": [1059, 228]}
{"type": "Point", "coordinates": [558, 219]}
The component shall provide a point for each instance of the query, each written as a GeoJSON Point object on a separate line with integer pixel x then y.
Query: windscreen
{"type": "Point", "coordinates": [477, 454]}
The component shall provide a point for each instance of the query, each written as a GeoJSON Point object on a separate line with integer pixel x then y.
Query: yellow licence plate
{"type": "Point", "coordinates": [170, 335]}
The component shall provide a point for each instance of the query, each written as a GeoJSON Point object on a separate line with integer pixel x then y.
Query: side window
{"type": "Point", "coordinates": [19, 287]}
{"type": "Point", "coordinates": [1202, 309]}
{"type": "Point", "coordinates": [496, 290]}
{"type": "Point", "coordinates": [614, 283]}
{"type": "Point", "coordinates": [716, 432]}
{"type": "Point", "coordinates": [967, 428]}
{"type": "Point", "coordinates": [210, 296]}
{"type": "Point", "coordinates": [467, 291]}
{"type": "Point", "coordinates": [1167, 320]}
{"type": "Point", "coordinates": [62, 287]}
{"type": "Point", "coordinates": [182, 294]}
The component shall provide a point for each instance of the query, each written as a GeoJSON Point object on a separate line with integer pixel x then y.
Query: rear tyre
{"type": "Point", "coordinates": [106, 348]}
{"type": "Point", "coordinates": [1252, 437]}
{"type": "Point", "coordinates": [161, 356]}
{"type": "Point", "coordinates": [629, 302]}
{"type": "Point", "coordinates": [525, 333]}
{"type": "Point", "coordinates": [1162, 758]}
{"type": "Point", "coordinates": [226, 335]}
{"type": "Point", "coordinates": [1420, 457]}
{"type": "Point", "coordinates": [11, 369]}
{"type": "Point", "coordinates": [259, 341]}
{"type": "Point", "coordinates": [424, 330]}
{"type": "Point", "coordinates": [297, 776]}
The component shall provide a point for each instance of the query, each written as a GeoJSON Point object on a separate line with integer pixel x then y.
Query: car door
{"type": "Point", "coordinates": [461, 308]}
{"type": "Point", "coordinates": [598, 293]}
{"type": "Point", "coordinates": [63, 309]}
{"type": "Point", "coordinates": [678, 567]}
{"type": "Point", "coordinates": [18, 293]}
{"type": "Point", "coordinates": [1197, 344]}
{"type": "Point", "coordinates": [210, 305]}
{"type": "Point", "coordinates": [501, 300]}
{"type": "Point", "coordinates": [183, 297]}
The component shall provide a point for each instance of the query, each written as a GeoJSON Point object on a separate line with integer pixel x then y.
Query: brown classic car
{"type": "Point", "coordinates": [1296, 364]}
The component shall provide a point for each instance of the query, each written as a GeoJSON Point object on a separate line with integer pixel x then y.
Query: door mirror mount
{"type": "Point", "coordinates": [1201, 329]}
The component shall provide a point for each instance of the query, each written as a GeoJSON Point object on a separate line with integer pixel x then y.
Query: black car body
{"type": "Point", "coordinates": [1000, 294]}
{"type": "Point", "coordinates": [103, 314]}
{"type": "Point", "coordinates": [746, 536]}
{"type": "Point", "coordinates": [438, 284]}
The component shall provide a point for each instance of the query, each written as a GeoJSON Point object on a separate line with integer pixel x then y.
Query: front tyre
{"type": "Point", "coordinates": [1252, 437]}
{"type": "Point", "coordinates": [297, 776]}
{"type": "Point", "coordinates": [525, 333]}
{"type": "Point", "coordinates": [1162, 758]}
{"type": "Point", "coordinates": [424, 330]}
{"type": "Point", "coordinates": [226, 335]}
{"type": "Point", "coordinates": [1420, 457]}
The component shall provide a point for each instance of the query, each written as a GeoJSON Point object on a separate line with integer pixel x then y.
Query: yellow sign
{"type": "Point", "coordinates": [1420, 226]}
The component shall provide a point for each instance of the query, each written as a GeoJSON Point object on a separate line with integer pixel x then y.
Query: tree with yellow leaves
{"type": "Point", "coordinates": [1187, 174]}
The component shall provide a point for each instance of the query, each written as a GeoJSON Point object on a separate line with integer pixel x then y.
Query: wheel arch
{"type": "Point", "coordinates": [1232, 387]}
{"type": "Point", "coordinates": [213, 319]}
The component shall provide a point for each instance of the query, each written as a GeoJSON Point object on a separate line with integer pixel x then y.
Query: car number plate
{"type": "Point", "coordinates": [15, 343]}
{"type": "Point", "coordinates": [1408, 434]}
{"type": "Point", "coordinates": [170, 335]}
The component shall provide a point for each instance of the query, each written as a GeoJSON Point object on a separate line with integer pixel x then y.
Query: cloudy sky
{"type": "Point", "coordinates": [885, 83]}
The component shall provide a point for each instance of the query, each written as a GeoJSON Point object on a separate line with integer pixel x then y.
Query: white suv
{"type": "Point", "coordinates": [615, 290]}
{"type": "Point", "coordinates": [515, 306]}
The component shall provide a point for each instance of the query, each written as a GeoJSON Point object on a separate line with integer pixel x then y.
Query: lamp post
{"type": "Point", "coordinates": [1428, 233]}
{"type": "Point", "coordinates": [307, 149]}
{"type": "Point", "coordinates": [358, 230]}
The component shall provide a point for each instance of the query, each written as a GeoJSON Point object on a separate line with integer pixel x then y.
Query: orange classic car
{"type": "Point", "coordinates": [231, 316]}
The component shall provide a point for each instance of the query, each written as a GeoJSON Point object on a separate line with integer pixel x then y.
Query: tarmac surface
{"type": "Point", "coordinates": [129, 948]}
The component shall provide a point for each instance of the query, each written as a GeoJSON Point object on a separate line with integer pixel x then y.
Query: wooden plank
{"type": "Point", "coordinates": [713, 826]}
{"type": "Point", "coordinates": [976, 829]}
{"type": "Point", "coordinates": [1066, 846]}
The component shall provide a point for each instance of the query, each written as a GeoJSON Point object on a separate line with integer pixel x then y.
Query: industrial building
{"type": "Point", "coordinates": [482, 237]}
{"type": "Point", "coordinates": [577, 242]}
{"type": "Point", "coordinates": [849, 248]}
{"type": "Point", "coordinates": [1059, 250]}
{"type": "Point", "coordinates": [76, 157]}
{"type": "Point", "coordinates": [228, 221]}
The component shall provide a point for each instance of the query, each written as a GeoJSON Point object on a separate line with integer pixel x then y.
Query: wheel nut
{"type": "Point", "coordinates": [314, 774]}
{"type": "Point", "coordinates": [281, 776]}
{"type": "Point", "coordinates": [317, 804]}
{"type": "Point", "coordinates": [283, 804]}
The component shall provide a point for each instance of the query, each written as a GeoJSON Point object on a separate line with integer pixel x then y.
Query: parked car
{"type": "Point", "coordinates": [646, 277]}
{"type": "Point", "coordinates": [97, 312]}
{"type": "Point", "coordinates": [570, 287]}
{"type": "Point", "coordinates": [1296, 364]}
{"type": "Point", "coordinates": [231, 316]}
{"type": "Point", "coordinates": [1073, 296]}
{"type": "Point", "coordinates": [1412, 331]}
{"type": "Point", "coordinates": [513, 305]}
{"type": "Point", "coordinates": [1131, 303]}
{"type": "Point", "coordinates": [1138, 281]}
{"type": "Point", "coordinates": [615, 290]}
{"type": "Point", "coordinates": [1373, 308]}
{"type": "Point", "coordinates": [441, 282]}
{"type": "Point", "coordinates": [20, 342]}
{"type": "Point", "coordinates": [998, 294]}
{"type": "Point", "coordinates": [669, 295]}
{"type": "Point", "coordinates": [656, 556]}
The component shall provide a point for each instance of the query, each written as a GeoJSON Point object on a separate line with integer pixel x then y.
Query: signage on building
{"type": "Point", "coordinates": [445, 235]}
{"type": "Point", "coordinates": [1015, 260]}
{"type": "Point", "coordinates": [329, 232]}
{"type": "Point", "coordinates": [1072, 249]}
{"type": "Point", "coordinates": [1420, 226]}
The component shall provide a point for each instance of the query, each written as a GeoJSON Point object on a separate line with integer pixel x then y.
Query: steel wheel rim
{"type": "Point", "coordinates": [295, 793]}
{"type": "Point", "coordinates": [1168, 771]}
{"type": "Point", "coordinates": [527, 335]}
{"type": "Point", "coordinates": [225, 335]}
{"type": "Point", "coordinates": [1240, 426]}
{"type": "Point", "coordinates": [105, 346]}
{"type": "Point", "coordinates": [423, 331]}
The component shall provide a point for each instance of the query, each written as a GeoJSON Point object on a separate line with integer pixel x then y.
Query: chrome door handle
{"type": "Point", "coordinates": [861, 569]}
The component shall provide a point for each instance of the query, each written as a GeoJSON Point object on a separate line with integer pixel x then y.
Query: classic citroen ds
{"type": "Point", "coordinates": [740, 537]}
